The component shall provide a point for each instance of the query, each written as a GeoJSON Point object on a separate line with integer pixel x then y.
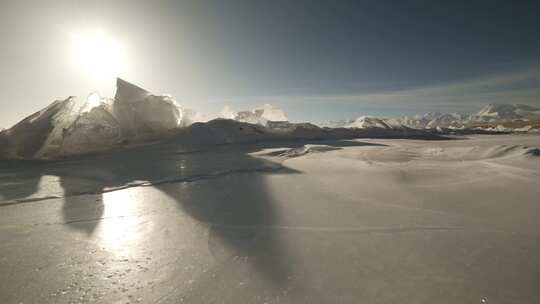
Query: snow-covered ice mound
{"type": "Point", "coordinates": [222, 131]}
{"type": "Point", "coordinates": [227, 131]}
{"type": "Point", "coordinates": [91, 131]}
{"type": "Point", "coordinates": [72, 126]}
{"type": "Point", "coordinates": [37, 133]}
{"type": "Point", "coordinates": [142, 114]}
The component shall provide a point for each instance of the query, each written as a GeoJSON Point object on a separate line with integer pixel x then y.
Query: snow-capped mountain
{"type": "Point", "coordinates": [366, 122]}
{"type": "Point", "coordinates": [492, 114]}
{"type": "Point", "coordinates": [433, 120]}
{"type": "Point", "coordinates": [336, 123]}
{"type": "Point", "coordinates": [497, 112]}
{"type": "Point", "coordinates": [453, 120]}
{"type": "Point", "coordinates": [430, 120]}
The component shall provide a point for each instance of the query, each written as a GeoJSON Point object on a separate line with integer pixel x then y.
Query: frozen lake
{"type": "Point", "coordinates": [363, 221]}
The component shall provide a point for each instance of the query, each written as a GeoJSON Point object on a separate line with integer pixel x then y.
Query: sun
{"type": "Point", "coordinates": [98, 54]}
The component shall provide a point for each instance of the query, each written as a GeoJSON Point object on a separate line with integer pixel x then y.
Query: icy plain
{"type": "Point", "coordinates": [359, 221]}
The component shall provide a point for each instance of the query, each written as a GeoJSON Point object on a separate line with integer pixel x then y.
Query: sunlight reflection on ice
{"type": "Point", "coordinates": [118, 230]}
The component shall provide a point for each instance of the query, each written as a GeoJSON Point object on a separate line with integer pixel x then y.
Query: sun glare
{"type": "Point", "coordinates": [98, 55]}
{"type": "Point", "coordinates": [93, 100]}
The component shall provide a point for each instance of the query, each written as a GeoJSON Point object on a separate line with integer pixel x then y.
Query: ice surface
{"type": "Point", "coordinates": [379, 222]}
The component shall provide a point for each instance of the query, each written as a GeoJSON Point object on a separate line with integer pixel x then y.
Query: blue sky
{"type": "Point", "coordinates": [319, 60]}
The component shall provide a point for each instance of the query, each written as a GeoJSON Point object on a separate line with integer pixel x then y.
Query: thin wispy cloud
{"type": "Point", "coordinates": [517, 86]}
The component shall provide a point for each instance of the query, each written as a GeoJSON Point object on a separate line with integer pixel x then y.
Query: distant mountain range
{"type": "Point", "coordinates": [492, 117]}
